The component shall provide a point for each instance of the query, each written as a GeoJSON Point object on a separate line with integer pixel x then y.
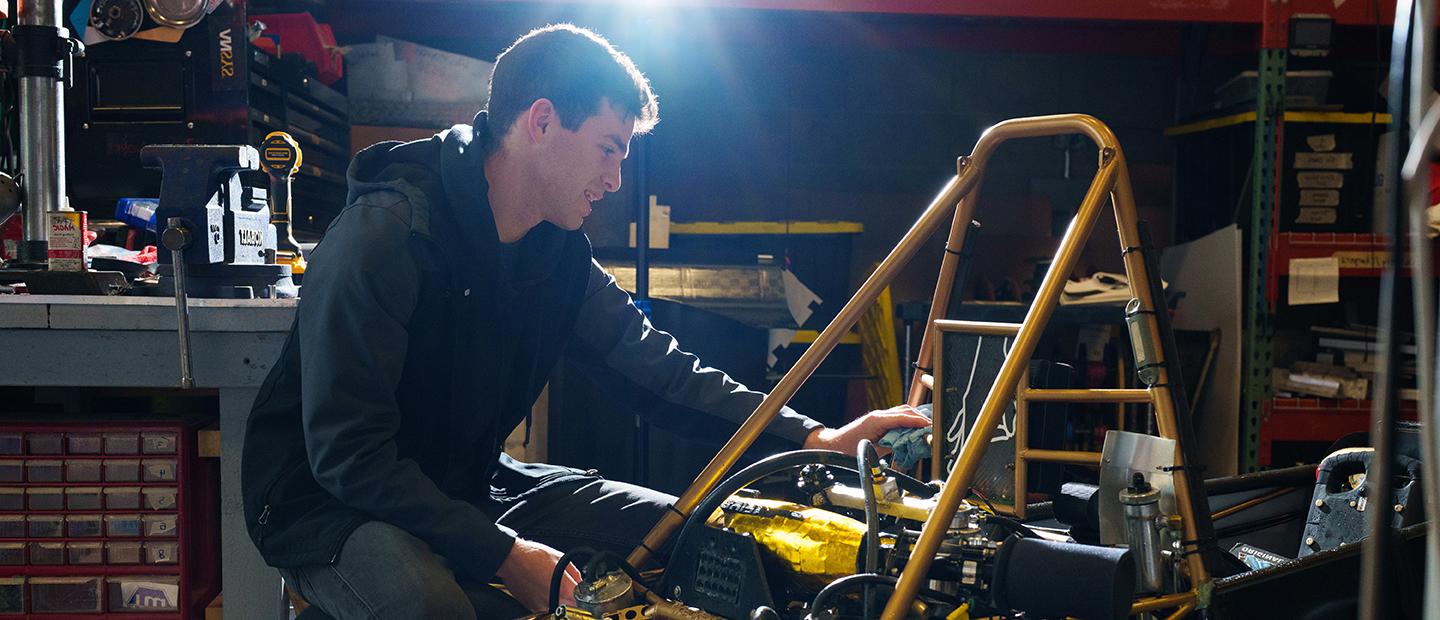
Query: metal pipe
{"type": "Point", "coordinates": [1376, 592]}
{"type": "Point", "coordinates": [1073, 457]}
{"type": "Point", "coordinates": [1415, 182]}
{"type": "Point", "coordinates": [1161, 602]}
{"type": "Point", "coordinates": [42, 140]}
{"type": "Point", "coordinates": [1182, 611]}
{"type": "Point", "coordinates": [949, 266]}
{"type": "Point", "coordinates": [865, 297]}
{"type": "Point", "coordinates": [1098, 395]}
{"type": "Point", "coordinates": [1046, 300]}
{"type": "Point", "coordinates": [1172, 419]}
{"type": "Point", "coordinates": [1299, 476]}
{"type": "Point", "coordinates": [1250, 503]}
{"type": "Point", "coordinates": [1022, 443]}
{"type": "Point", "coordinates": [982, 328]}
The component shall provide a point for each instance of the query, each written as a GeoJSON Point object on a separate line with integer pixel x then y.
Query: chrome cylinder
{"type": "Point", "coordinates": [42, 140]}
{"type": "Point", "coordinates": [1141, 503]}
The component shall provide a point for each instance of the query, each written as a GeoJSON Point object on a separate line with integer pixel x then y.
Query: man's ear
{"type": "Point", "coordinates": [539, 119]}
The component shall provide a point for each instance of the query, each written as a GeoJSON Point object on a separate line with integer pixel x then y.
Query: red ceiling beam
{"type": "Point", "coordinates": [1345, 12]}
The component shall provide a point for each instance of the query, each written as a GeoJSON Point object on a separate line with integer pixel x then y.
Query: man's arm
{"type": "Point", "coordinates": [613, 329]}
{"type": "Point", "coordinates": [360, 291]}
{"type": "Point", "coordinates": [614, 332]}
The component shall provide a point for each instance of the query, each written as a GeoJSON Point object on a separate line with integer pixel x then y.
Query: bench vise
{"type": "Point", "coordinates": [231, 248]}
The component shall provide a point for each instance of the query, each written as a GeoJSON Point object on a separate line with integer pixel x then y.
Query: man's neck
{"type": "Point", "coordinates": [508, 198]}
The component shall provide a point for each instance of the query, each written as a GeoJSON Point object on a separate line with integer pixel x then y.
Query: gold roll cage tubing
{"type": "Point", "coordinates": [1112, 180]}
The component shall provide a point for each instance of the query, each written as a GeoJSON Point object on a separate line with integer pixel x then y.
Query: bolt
{"type": "Point", "coordinates": [1399, 507]}
{"type": "Point", "coordinates": [1352, 503]}
{"type": "Point", "coordinates": [1319, 503]}
{"type": "Point", "coordinates": [677, 591]}
{"type": "Point", "coordinates": [1106, 154]}
{"type": "Point", "coordinates": [190, 125]}
{"type": "Point", "coordinates": [1310, 541]}
{"type": "Point", "coordinates": [84, 125]}
{"type": "Point", "coordinates": [187, 53]}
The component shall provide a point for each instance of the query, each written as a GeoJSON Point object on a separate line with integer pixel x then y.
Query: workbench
{"type": "Point", "coordinates": [131, 342]}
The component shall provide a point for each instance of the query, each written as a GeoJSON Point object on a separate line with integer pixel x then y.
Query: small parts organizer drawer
{"type": "Point", "coordinates": [105, 519]}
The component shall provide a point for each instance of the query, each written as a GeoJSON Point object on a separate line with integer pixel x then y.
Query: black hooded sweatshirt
{"type": "Point", "coordinates": [420, 343]}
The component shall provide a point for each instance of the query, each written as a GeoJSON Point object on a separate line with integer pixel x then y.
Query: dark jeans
{"type": "Point", "coordinates": [384, 573]}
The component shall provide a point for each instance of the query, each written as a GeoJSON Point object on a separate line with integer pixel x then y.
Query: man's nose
{"type": "Point", "coordinates": [612, 179]}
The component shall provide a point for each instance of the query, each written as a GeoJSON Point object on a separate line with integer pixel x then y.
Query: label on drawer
{"type": "Point", "coordinates": [159, 526]}
{"type": "Point", "coordinates": [159, 470]}
{"type": "Point", "coordinates": [160, 498]}
{"type": "Point", "coordinates": [157, 443]}
{"type": "Point", "coordinates": [147, 595]}
{"type": "Point", "coordinates": [161, 552]}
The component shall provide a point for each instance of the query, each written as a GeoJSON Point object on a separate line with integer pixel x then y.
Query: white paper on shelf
{"type": "Point", "coordinates": [1314, 281]}
{"type": "Point", "coordinates": [798, 297]}
{"type": "Point", "coordinates": [779, 339]}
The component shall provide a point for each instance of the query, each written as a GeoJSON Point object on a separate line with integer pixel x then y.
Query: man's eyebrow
{"type": "Point", "coordinates": [619, 144]}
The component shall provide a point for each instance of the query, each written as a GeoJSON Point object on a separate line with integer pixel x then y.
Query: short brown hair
{"type": "Point", "coordinates": [574, 68]}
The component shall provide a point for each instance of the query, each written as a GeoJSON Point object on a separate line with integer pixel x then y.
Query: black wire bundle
{"type": "Point", "coordinates": [593, 568]}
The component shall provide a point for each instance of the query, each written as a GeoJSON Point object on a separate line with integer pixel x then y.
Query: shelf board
{"type": "Point", "coordinates": [1361, 255]}
{"type": "Point", "coordinates": [1323, 406]}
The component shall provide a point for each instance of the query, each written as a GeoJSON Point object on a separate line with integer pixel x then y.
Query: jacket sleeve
{"type": "Point", "coordinates": [619, 336]}
{"type": "Point", "coordinates": [360, 290]}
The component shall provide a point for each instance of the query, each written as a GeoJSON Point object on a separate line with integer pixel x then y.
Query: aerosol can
{"type": "Point", "coordinates": [1142, 512]}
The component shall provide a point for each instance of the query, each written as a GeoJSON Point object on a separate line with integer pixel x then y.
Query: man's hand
{"type": "Point", "coordinates": [870, 426]}
{"type": "Point", "coordinates": [527, 571]}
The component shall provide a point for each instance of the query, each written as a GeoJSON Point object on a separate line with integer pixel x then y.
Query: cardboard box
{"type": "Point", "coordinates": [395, 82]}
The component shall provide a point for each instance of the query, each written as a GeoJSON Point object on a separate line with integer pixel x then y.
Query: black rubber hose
{"type": "Point", "coordinates": [778, 463]}
{"type": "Point", "coordinates": [868, 463]}
{"type": "Point", "coordinates": [1014, 525]}
{"type": "Point", "coordinates": [559, 574]}
{"type": "Point", "coordinates": [822, 600]}
{"type": "Point", "coordinates": [747, 476]}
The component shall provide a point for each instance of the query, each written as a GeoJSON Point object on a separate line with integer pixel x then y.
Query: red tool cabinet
{"type": "Point", "coordinates": [106, 519]}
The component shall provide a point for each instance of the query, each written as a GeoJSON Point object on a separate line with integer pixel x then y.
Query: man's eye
{"type": "Point", "coordinates": [609, 150]}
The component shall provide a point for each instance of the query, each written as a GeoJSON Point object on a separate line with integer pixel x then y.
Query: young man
{"type": "Point", "coordinates": [431, 317]}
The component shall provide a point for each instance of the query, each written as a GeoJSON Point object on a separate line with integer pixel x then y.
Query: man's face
{"type": "Point", "coordinates": [577, 168]}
